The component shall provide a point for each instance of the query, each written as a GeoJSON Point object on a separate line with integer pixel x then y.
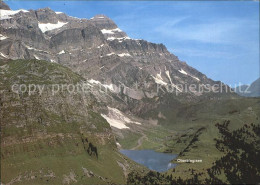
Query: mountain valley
{"type": "Point", "coordinates": [134, 98]}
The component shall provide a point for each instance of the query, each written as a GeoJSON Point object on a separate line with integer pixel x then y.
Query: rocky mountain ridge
{"type": "Point", "coordinates": [252, 90]}
{"type": "Point", "coordinates": [141, 79]}
{"type": "Point", "coordinates": [134, 70]}
{"type": "Point", "coordinates": [134, 100]}
{"type": "Point", "coordinates": [56, 37]}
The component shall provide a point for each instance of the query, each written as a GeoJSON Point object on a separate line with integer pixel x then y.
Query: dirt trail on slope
{"type": "Point", "coordinates": [140, 141]}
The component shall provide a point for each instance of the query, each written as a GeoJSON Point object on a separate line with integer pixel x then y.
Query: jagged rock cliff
{"type": "Point", "coordinates": [69, 138]}
{"type": "Point", "coordinates": [100, 51]}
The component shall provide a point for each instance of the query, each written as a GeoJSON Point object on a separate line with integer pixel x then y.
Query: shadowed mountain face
{"type": "Point", "coordinates": [143, 77]}
{"type": "Point", "coordinates": [97, 49]}
{"type": "Point", "coordinates": [4, 6]}
{"type": "Point", "coordinates": [252, 90]}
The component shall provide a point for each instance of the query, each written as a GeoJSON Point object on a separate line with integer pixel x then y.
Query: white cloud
{"type": "Point", "coordinates": [204, 53]}
{"type": "Point", "coordinates": [208, 31]}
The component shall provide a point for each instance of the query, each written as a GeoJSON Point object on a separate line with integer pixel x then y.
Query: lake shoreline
{"type": "Point", "coordinates": [156, 161]}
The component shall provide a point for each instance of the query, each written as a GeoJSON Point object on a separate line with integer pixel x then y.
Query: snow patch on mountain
{"type": "Point", "coordinates": [107, 86]}
{"type": "Point", "coordinates": [61, 52]}
{"type": "Point", "coordinates": [105, 31]}
{"type": "Point", "coordinates": [109, 54]}
{"type": "Point", "coordinates": [124, 55]}
{"type": "Point", "coordinates": [94, 81]}
{"type": "Point", "coordinates": [110, 86]}
{"type": "Point", "coordinates": [100, 46]}
{"type": "Point", "coordinates": [115, 122]}
{"type": "Point", "coordinates": [117, 30]}
{"type": "Point", "coordinates": [194, 77]}
{"type": "Point", "coordinates": [117, 119]}
{"type": "Point", "coordinates": [168, 75]}
{"type": "Point", "coordinates": [158, 79]}
{"type": "Point", "coordinates": [175, 86]}
{"type": "Point", "coordinates": [3, 55]}
{"type": "Point", "coordinates": [120, 38]}
{"type": "Point", "coordinates": [111, 38]}
{"type": "Point", "coordinates": [31, 48]}
{"type": "Point", "coordinates": [120, 55]}
{"type": "Point", "coordinates": [6, 14]}
{"type": "Point", "coordinates": [2, 37]}
{"type": "Point", "coordinates": [185, 73]}
{"type": "Point", "coordinates": [36, 57]}
{"type": "Point", "coordinates": [49, 26]}
{"type": "Point", "coordinates": [97, 17]}
{"type": "Point", "coordinates": [118, 144]}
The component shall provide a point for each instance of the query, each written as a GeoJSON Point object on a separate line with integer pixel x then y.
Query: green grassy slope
{"type": "Point", "coordinates": [45, 138]}
{"type": "Point", "coordinates": [195, 138]}
{"type": "Point", "coordinates": [189, 130]}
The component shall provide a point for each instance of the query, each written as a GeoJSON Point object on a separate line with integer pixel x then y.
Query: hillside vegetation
{"type": "Point", "coordinates": [54, 139]}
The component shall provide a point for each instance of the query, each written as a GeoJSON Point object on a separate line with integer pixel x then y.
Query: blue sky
{"type": "Point", "coordinates": [220, 39]}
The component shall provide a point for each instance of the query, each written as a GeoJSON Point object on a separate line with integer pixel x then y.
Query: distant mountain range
{"type": "Point", "coordinates": [252, 90]}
